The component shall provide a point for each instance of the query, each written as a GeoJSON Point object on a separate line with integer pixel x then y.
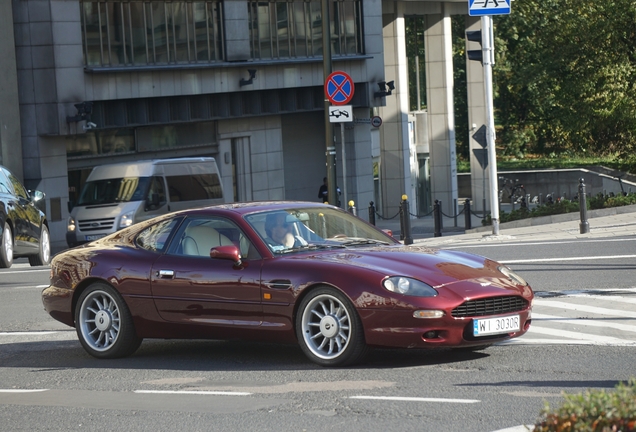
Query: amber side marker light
{"type": "Point", "coordinates": [267, 296]}
{"type": "Point", "coordinates": [428, 314]}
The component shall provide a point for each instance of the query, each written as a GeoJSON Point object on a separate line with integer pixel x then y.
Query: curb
{"type": "Point", "coordinates": [564, 217]}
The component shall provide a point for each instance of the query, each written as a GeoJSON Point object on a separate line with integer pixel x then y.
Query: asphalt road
{"type": "Point", "coordinates": [583, 336]}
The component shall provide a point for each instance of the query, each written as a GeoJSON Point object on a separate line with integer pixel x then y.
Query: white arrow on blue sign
{"type": "Point", "coordinates": [488, 7]}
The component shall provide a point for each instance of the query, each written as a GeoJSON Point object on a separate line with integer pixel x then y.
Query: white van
{"type": "Point", "coordinates": [118, 195]}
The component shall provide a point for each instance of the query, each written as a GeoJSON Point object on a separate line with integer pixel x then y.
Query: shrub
{"type": "Point", "coordinates": [593, 411]}
{"type": "Point", "coordinates": [563, 206]}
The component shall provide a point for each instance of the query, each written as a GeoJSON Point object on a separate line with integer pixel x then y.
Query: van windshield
{"type": "Point", "coordinates": [109, 191]}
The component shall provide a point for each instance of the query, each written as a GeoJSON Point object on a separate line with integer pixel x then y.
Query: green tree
{"type": "Point", "coordinates": [566, 77]}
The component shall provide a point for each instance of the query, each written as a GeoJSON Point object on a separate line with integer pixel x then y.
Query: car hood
{"type": "Point", "coordinates": [436, 267]}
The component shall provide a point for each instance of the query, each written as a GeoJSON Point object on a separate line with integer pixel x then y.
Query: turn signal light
{"type": "Point", "coordinates": [428, 314]}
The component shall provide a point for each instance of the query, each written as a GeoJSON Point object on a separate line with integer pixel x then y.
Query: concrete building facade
{"type": "Point", "coordinates": [97, 82]}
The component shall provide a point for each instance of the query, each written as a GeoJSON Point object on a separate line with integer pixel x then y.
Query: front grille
{"type": "Point", "coordinates": [87, 225]}
{"type": "Point", "coordinates": [490, 306]}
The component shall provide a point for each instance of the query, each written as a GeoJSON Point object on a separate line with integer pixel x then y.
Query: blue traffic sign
{"type": "Point", "coordinates": [339, 88]}
{"type": "Point", "coordinates": [488, 7]}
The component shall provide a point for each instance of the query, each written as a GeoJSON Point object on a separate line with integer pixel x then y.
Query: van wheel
{"type": "Point", "coordinates": [44, 255]}
{"type": "Point", "coordinates": [6, 247]}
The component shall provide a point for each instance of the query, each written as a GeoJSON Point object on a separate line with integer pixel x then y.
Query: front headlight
{"type": "Point", "coordinates": [408, 286]}
{"type": "Point", "coordinates": [126, 220]}
{"type": "Point", "coordinates": [70, 226]}
{"type": "Point", "coordinates": [512, 275]}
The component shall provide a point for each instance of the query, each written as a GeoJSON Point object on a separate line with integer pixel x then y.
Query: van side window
{"type": "Point", "coordinates": [194, 187]}
{"type": "Point", "coordinates": [156, 193]}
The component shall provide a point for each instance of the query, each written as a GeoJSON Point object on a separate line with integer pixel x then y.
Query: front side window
{"type": "Point", "coordinates": [292, 29]}
{"type": "Point", "coordinates": [135, 33]}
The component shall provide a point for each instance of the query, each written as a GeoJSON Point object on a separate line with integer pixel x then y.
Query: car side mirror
{"type": "Point", "coordinates": [37, 195]}
{"type": "Point", "coordinates": [230, 252]}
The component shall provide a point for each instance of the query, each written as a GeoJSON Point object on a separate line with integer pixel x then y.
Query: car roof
{"type": "Point", "coordinates": [244, 208]}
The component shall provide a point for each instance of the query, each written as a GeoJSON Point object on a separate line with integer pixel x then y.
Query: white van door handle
{"type": "Point", "coordinates": [165, 274]}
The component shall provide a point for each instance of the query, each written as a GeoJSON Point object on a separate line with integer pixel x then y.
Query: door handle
{"type": "Point", "coordinates": [165, 274]}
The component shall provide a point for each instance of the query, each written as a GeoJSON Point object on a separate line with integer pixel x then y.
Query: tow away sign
{"type": "Point", "coordinates": [488, 7]}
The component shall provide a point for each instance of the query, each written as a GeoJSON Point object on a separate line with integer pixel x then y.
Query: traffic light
{"type": "Point", "coordinates": [475, 36]}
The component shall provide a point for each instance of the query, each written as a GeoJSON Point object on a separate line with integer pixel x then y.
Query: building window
{"type": "Point", "coordinates": [293, 28]}
{"type": "Point", "coordinates": [146, 33]}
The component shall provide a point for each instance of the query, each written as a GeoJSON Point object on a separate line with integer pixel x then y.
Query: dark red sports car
{"type": "Point", "coordinates": [289, 272]}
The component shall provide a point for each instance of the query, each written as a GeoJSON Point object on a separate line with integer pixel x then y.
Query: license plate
{"type": "Point", "coordinates": [500, 325]}
{"type": "Point", "coordinates": [94, 237]}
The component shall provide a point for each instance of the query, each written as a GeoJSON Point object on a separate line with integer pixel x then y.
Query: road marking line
{"type": "Point", "coordinates": [33, 333]}
{"type": "Point", "coordinates": [539, 243]}
{"type": "Point", "coordinates": [591, 291]}
{"type": "Point", "coordinates": [193, 392]}
{"type": "Point", "coordinates": [22, 390]}
{"type": "Point", "coordinates": [527, 341]}
{"type": "Point", "coordinates": [416, 399]}
{"type": "Point", "coordinates": [584, 308]}
{"type": "Point", "coordinates": [585, 322]}
{"type": "Point", "coordinates": [26, 271]}
{"type": "Point", "coordinates": [566, 259]}
{"type": "Point", "coordinates": [577, 335]}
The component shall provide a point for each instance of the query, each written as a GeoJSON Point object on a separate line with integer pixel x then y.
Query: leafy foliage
{"type": "Point", "coordinates": [566, 77]}
{"type": "Point", "coordinates": [563, 206]}
{"type": "Point", "coordinates": [593, 411]}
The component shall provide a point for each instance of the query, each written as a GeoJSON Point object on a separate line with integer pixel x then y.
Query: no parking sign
{"type": "Point", "coordinates": [339, 88]}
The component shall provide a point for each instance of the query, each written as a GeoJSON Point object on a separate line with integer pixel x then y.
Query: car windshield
{"type": "Point", "coordinates": [299, 229]}
{"type": "Point", "coordinates": [109, 191]}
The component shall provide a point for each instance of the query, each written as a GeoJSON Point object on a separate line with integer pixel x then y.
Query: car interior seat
{"type": "Point", "coordinates": [199, 239]}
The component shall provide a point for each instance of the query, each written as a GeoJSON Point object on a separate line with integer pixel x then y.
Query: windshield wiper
{"type": "Point", "coordinates": [309, 247]}
{"type": "Point", "coordinates": [359, 241]}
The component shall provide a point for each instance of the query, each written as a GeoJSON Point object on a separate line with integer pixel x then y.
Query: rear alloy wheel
{"type": "Point", "coordinates": [6, 247]}
{"type": "Point", "coordinates": [329, 329]}
{"type": "Point", "coordinates": [104, 324]}
{"type": "Point", "coordinates": [44, 254]}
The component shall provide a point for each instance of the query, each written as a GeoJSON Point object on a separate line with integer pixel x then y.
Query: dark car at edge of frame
{"type": "Point", "coordinates": [24, 228]}
{"type": "Point", "coordinates": [338, 286]}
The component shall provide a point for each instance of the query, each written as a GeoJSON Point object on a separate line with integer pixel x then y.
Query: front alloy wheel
{"type": "Point", "coordinates": [6, 247]}
{"type": "Point", "coordinates": [330, 330]}
{"type": "Point", "coordinates": [104, 324]}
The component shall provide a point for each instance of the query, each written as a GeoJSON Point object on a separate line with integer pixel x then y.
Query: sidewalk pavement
{"type": "Point", "coordinates": [611, 222]}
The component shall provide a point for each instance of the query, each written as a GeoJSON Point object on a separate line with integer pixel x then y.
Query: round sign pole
{"type": "Point", "coordinates": [329, 143]}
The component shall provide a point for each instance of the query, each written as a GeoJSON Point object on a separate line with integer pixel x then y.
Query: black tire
{"type": "Point", "coordinates": [6, 247]}
{"type": "Point", "coordinates": [329, 329]}
{"type": "Point", "coordinates": [104, 324]}
{"type": "Point", "coordinates": [44, 254]}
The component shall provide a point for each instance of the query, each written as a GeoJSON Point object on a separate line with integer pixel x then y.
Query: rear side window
{"type": "Point", "coordinates": [155, 237]}
{"type": "Point", "coordinates": [194, 187]}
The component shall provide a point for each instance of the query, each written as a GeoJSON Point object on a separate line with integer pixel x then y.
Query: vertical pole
{"type": "Point", "coordinates": [371, 213]}
{"type": "Point", "coordinates": [437, 219]}
{"type": "Point", "coordinates": [488, 58]}
{"type": "Point", "coordinates": [408, 238]}
{"type": "Point", "coordinates": [467, 216]}
{"type": "Point", "coordinates": [584, 225]}
{"type": "Point", "coordinates": [332, 192]}
{"type": "Point", "coordinates": [344, 162]}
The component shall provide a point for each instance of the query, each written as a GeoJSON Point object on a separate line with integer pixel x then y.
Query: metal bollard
{"type": "Point", "coordinates": [467, 218]}
{"type": "Point", "coordinates": [584, 225]}
{"type": "Point", "coordinates": [437, 217]}
{"type": "Point", "coordinates": [352, 208]}
{"type": "Point", "coordinates": [404, 210]}
{"type": "Point", "coordinates": [371, 213]}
